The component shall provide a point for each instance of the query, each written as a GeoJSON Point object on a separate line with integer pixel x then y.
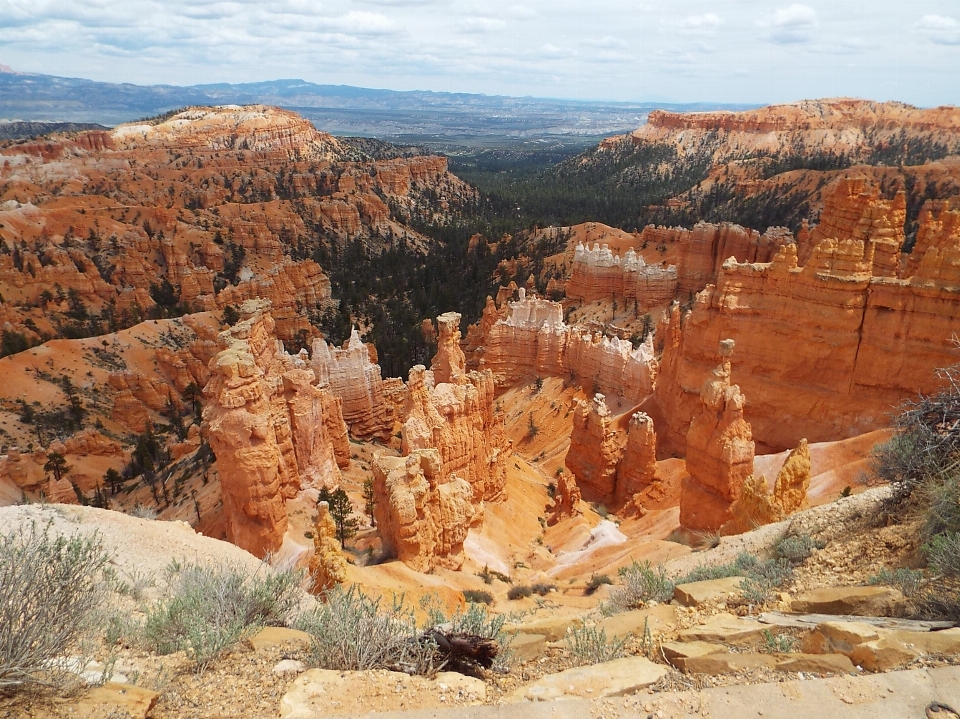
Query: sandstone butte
{"type": "Point", "coordinates": [528, 338]}
{"type": "Point", "coordinates": [244, 188]}
{"type": "Point", "coordinates": [327, 566]}
{"type": "Point", "coordinates": [274, 432]}
{"type": "Point", "coordinates": [828, 349]}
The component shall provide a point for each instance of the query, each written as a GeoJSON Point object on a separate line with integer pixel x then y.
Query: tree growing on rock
{"type": "Point", "coordinates": [57, 465]}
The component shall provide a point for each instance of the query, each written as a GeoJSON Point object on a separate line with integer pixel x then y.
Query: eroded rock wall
{"type": "Point", "coordinates": [528, 338]}
{"type": "Point", "coordinates": [598, 273]}
{"type": "Point", "coordinates": [273, 431]}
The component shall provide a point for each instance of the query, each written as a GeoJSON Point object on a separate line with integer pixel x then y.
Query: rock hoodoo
{"type": "Point", "coordinates": [757, 506]}
{"type": "Point", "coordinates": [422, 513]}
{"type": "Point", "coordinates": [720, 451]}
{"type": "Point", "coordinates": [528, 338]}
{"type": "Point", "coordinates": [355, 378]}
{"type": "Point", "coordinates": [566, 499]}
{"type": "Point", "coordinates": [327, 567]}
{"type": "Point", "coordinates": [272, 429]}
{"type": "Point", "coordinates": [598, 274]}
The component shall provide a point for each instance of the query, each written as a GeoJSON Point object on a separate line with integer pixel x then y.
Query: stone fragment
{"type": "Point", "coordinates": [871, 601]}
{"type": "Point", "coordinates": [882, 654]}
{"type": "Point", "coordinates": [725, 628]}
{"type": "Point", "coordinates": [815, 663]}
{"type": "Point", "coordinates": [115, 699]}
{"type": "Point", "coordinates": [945, 642]}
{"type": "Point", "coordinates": [839, 637]}
{"type": "Point", "coordinates": [659, 618]}
{"type": "Point", "coordinates": [270, 637]}
{"type": "Point", "coordinates": [693, 594]}
{"type": "Point", "coordinates": [614, 678]}
{"type": "Point", "coordinates": [678, 652]}
{"type": "Point", "coordinates": [469, 688]}
{"type": "Point", "coordinates": [553, 628]}
{"type": "Point", "coordinates": [525, 646]}
{"type": "Point", "coordinates": [289, 666]}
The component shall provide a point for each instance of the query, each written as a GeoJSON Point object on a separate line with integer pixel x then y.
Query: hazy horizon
{"type": "Point", "coordinates": [725, 51]}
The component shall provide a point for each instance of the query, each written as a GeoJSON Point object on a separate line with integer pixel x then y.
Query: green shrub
{"type": "Point", "coordinates": [595, 582]}
{"type": "Point", "coordinates": [50, 587]}
{"type": "Point", "coordinates": [943, 554]}
{"type": "Point", "coordinates": [488, 575]}
{"type": "Point", "coordinates": [907, 581]}
{"type": "Point", "coordinates": [641, 584]}
{"type": "Point", "coordinates": [543, 588]}
{"type": "Point", "coordinates": [519, 591]}
{"type": "Point", "coordinates": [209, 609]}
{"type": "Point", "coordinates": [797, 548]}
{"type": "Point", "coordinates": [778, 643]}
{"type": "Point", "coordinates": [478, 596]}
{"type": "Point", "coordinates": [591, 646]}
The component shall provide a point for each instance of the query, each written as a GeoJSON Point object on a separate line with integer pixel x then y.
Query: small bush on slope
{"type": "Point", "coordinates": [50, 589]}
{"type": "Point", "coordinates": [209, 609]}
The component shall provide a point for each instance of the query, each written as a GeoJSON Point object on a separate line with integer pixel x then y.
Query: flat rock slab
{"type": "Point", "coordinates": [946, 642]}
{"type": "Point", "coordinates": [866, 601]}
{"type": "Point", "coordinates": [553, 628]}
{"type": "Point", "coordinates": [815, 663]}
{"type": "Point", "coordinates": [528, 646]}
{"type": "Point", "coordinates": [725, 629]}
{"type": "Point", "coordinates": [894, 695]}
{"type": "Point", "coordinates": [270, 637]}
{"type": "Point", "coordinates": [322, 692]}
{"type": "Point", "coordinates": [726, 663]}
{"type": "Point", "coordinates": [684, 650]}
{"type": "Point", "coordinates": [693, 594]}
{"type": "Point", "coordinates": [113, 699]}
{"type": "Point", "coordinates": [608, 679]}
{"type": "Point", "coordinates": [657, 619]}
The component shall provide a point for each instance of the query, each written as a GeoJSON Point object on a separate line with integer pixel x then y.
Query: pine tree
{"type": "Point", "coordinates": [341, 510]}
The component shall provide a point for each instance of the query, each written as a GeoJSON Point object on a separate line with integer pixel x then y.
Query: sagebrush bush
{"type": "Point", "coordinates": [591, 646]}
{"type": "Point", "coordinates": [519, 591]}
{"type": "Point", "coordinates": [543, 588]}
{"type": "Point", "coordinates": [209, 609]}
{"type": "Point", "coordinates": [797, 548]}
{"type": "Point", "coordinates": [907, 581]}
{"type": "Point", "coordinates": [778, 643]}
{"type": "Point", "coordinates": [943, 554]}
{"type": "Point", "coordinates": [641, 584]}
{"type": "Point", "coordinates": [595, 582]}
{"type": "Point", "coordinates": [478, 596]}
{"type": "Point", "coordinates": [50, 589]}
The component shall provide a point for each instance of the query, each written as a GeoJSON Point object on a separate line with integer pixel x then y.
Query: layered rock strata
{"type": "Point", "coordinates": [528, 338]}
{"type": "Point", "coordinates": [612, 458]}
{"type": "Point", "coordinates": [354, 377]}
{"type": "Point", "coordinates": [461, 423]}
{"type": "Point", "coordinates": [720, 451]}
{"type": "Point", "coordinates": [272, 430]}
{"type": "Point", "coordinates": [422, 513]}
{"type": "Point", "coordinates": [598, 274]}
{"type": "Point", "coordinates": [826, 351]}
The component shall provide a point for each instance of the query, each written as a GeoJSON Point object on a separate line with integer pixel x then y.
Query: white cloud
{"type": "Point", "coordinates": [480, 24]}
{"type": "Point", "coordinates": [940, 29]}
{"type": "Point", "coordinates": [522, 12]}
{"type": "Point", "coordinates": [360, 22]}
{"type": "Point", "coordinates": [793, 24]}
{"type": "Point", "coordinates": [707, 24]}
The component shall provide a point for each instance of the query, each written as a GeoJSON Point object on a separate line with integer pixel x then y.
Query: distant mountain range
{"type": "Point", "coordinates": [338, 109]}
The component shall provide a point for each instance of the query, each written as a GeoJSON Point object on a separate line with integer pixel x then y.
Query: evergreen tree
{"type": "Point", "coordinates": [341, 510]}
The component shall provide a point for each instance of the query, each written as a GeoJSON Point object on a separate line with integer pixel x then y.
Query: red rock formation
{"type": "Point", "coordinates": [598, 274]}
{"type": "Point", "coordinates": [449, 363]}
{"type": "Point", "coordinates": [719, 451]}
{"type": "Point", "coordinates": [825, 351]}
{"type": "Point", "coordinates": [353, 377]}
{"type": "Point", "coordinates": [422, 512]}
{"type": "Point", "coordinates": [529, 339]}
{"type": "Point", "coordinates": [596, 446]}
{"type": "Point", "coordinates": [566, 499]}
{"type": "Point", "coordinates": [270, 429]}
{"type": "Point", "coordinates": [459, 421]}
{"type": "Point", "coordinates": [638, 464]}
{"type": "Point", "coordinates": [85, 442]}
{"type": "Point", "coordinates": [327, 566]}
{"type": "Point", "coordinates": [757, 506]}
{"type": "Point", "coordinates": [939, 227]}
{"type": "Point", "coordinates": [852, 211]}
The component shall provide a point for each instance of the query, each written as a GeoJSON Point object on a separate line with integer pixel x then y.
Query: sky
{"type": "Point", "coordinates": [737, 51]}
